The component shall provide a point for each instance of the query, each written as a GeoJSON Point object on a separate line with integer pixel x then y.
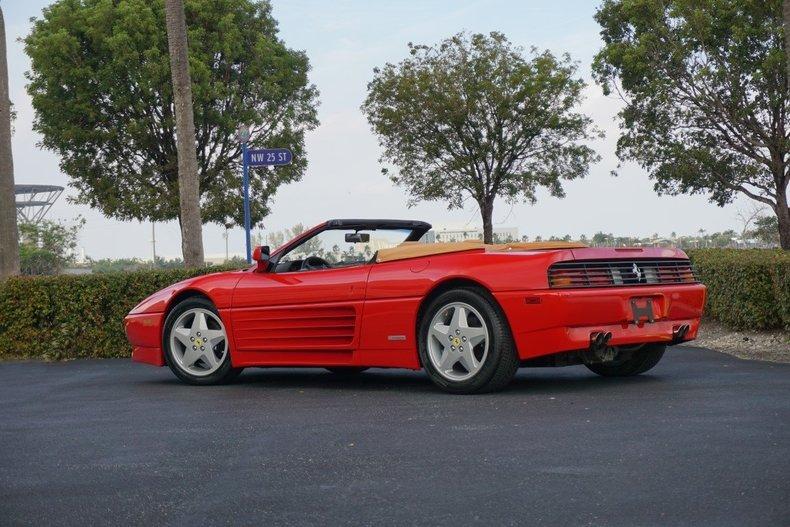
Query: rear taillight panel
{"type": "Point", "coordinates": [615, 273]}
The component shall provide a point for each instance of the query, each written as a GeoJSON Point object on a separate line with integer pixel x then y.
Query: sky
{"type": "Point", "coordinates": [345, 40]}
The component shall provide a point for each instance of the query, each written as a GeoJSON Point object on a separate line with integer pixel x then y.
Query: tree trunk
{"type": "Point", "coordinates": [487, 212]}
{"type": "Point", "coordinates": [188, 183]}
{"type": "Point", "coordinates": [783, 214]}
{"type": "Point", "coordinates": [786, 13]}
{"type": "Point", "coordinates": [9, 237]}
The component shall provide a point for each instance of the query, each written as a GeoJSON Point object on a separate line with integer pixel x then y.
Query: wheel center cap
{"type": "Point", "coordinates": [456, 341]}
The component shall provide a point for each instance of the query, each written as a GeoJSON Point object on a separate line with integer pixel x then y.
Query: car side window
{"type": "Point", "coordinates": [329, 249]}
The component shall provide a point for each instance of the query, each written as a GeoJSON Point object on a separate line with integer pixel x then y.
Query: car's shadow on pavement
{"type": "Point", "coordinates": [544, 381]}
{"type": "Point", "coordinates": [376, 380]}
{"type": "Point", "coordinates": [533, 381]}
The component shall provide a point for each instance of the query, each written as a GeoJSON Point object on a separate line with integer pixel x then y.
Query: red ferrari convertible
{"type": "Point", "coordinates": [349, 295]}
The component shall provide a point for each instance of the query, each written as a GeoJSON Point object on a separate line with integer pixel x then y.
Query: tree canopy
{"type": "Point", "coordinates": [706, 95]}
{"type": "Point", "coordinates": [475, 116]}
{"type": "Point", "coordinates": [101, 88]}
{"type": "Point", "coordinates": [766, 230]}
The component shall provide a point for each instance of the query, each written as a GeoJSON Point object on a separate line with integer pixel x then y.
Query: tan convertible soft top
{"type": "Point", "coordinates": [417, 249]}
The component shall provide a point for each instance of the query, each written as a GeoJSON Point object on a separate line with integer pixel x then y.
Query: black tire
{"type": "Point", "coordinates": [638, 361]}
{"type": "Point", "coordinates": [499, 365]}
{"type": "Point", "coordinates": [347, 370]}
{"type": "Point", "coordinates": [224, 374]}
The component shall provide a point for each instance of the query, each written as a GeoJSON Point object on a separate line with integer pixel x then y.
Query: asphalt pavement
{"type": "Point", "coordinates": [703, 439]}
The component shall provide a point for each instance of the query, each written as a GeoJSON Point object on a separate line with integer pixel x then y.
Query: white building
{"type": "Point", "coordinates": [450, 234]}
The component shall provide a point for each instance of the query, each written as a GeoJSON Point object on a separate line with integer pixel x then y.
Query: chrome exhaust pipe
{"type": "Point", "coordinates": [599, 339]}
{"type": "Point", "coordinates": [599, 350]}
{"type": "Point", "coordinates": [679, 334]}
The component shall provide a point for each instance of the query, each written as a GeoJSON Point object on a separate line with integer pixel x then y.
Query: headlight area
{"type": "Point", "coordinates": [155, 303]}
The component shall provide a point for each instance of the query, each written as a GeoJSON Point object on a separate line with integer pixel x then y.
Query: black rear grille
{"type": "Point", "coordinates": [614, 273]}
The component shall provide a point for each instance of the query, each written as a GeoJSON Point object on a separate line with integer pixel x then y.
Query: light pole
{"type": "Point", "coordinates": [153, 244]}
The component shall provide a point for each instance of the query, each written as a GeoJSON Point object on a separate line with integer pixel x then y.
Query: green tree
{"type": "Point", "coordinates": [277, 238]}
{"type": "Point", "coordinates": [600, 238]}
{"type": "Point", "coordinates": [475, 116]}
{"type": "Point", "coordinates": [312, 246]}
{"type": "Point", "coordinates": [705, 86]}
{"type": "Point", "coordinates": [112, 265]}
{"type": "Point", "coordinates": [163, 263]}
{"type": "Point", "coordinates": [47, 247]}
{"type": "Point", "coordinates": [766, 230]}
{"type": "Point", "coordinates": [101, 87]}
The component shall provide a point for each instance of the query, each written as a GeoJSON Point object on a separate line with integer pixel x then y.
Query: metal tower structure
{"type": "Point", "coordinates": [34, 201]}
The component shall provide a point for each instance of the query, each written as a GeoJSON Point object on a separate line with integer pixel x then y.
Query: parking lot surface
{"type": "Point", "coordinates": [703, 439]}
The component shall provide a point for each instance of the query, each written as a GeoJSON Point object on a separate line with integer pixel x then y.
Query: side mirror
{"type": "Point", "coordinates": [357, 237]}
{"type": "Point", "coordinates": [261, 255]}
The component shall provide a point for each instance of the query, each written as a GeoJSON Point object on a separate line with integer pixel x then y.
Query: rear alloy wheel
{"type": "Point", "coordinates": [628, 362]}
{"type": "Point", "coordinates": [196, 344]}
{"type": "Point", "coordinates": [465, 343]}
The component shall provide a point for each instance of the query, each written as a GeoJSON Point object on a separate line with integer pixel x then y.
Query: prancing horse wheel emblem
{"type": "Point", "coordinates": [456, 341]}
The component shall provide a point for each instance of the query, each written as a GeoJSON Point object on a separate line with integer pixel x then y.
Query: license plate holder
{"type": "Point", "coordinates": [640, 312]}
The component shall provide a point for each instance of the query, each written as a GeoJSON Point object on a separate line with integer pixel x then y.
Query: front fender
{"type": "Point", "coordinates": [145, 322]}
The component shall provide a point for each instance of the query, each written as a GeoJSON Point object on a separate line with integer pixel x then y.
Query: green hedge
{"type": "Point", "coordinates": [75, 316]}
{"type": "Point", "coordinates": [747, 288]}
{"type": "Point", "coordinates": [68, 317]}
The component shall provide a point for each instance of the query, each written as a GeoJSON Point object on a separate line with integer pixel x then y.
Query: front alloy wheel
{"type": "Point", "coordinates": [196, 343]}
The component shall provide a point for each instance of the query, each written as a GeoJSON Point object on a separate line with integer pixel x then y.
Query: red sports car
{"type": "Point", "coordinates": [349, 295]}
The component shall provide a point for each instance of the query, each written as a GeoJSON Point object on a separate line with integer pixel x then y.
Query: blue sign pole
{"type": "Point", "coordinates": [246, 179]}
{"type": "Point", "coordinates": [256, 158]}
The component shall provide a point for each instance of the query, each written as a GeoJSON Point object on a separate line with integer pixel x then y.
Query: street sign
{"type": "Point", "coordinates": [243, 133]}
{"type": "Point", "coordinates": [269, 157]}
{"type": "Point", "coordinates": [264, 157]}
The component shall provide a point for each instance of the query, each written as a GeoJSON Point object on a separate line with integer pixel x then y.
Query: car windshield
{"type": "Point", "coordinates": [330, 247]}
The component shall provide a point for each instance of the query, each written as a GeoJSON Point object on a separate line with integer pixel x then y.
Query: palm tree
{"type": "Point", "coordinates": [702, 238]}
{"type": "Point", "coordinates": [9, 238]}
{"type": "Point", "coordinates": [188, 184]}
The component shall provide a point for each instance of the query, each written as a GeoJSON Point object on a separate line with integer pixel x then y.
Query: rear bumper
{"type": "Point", "coordinates": [144, 332]}
{"type": "Point", "coordinates": [551, 321]}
